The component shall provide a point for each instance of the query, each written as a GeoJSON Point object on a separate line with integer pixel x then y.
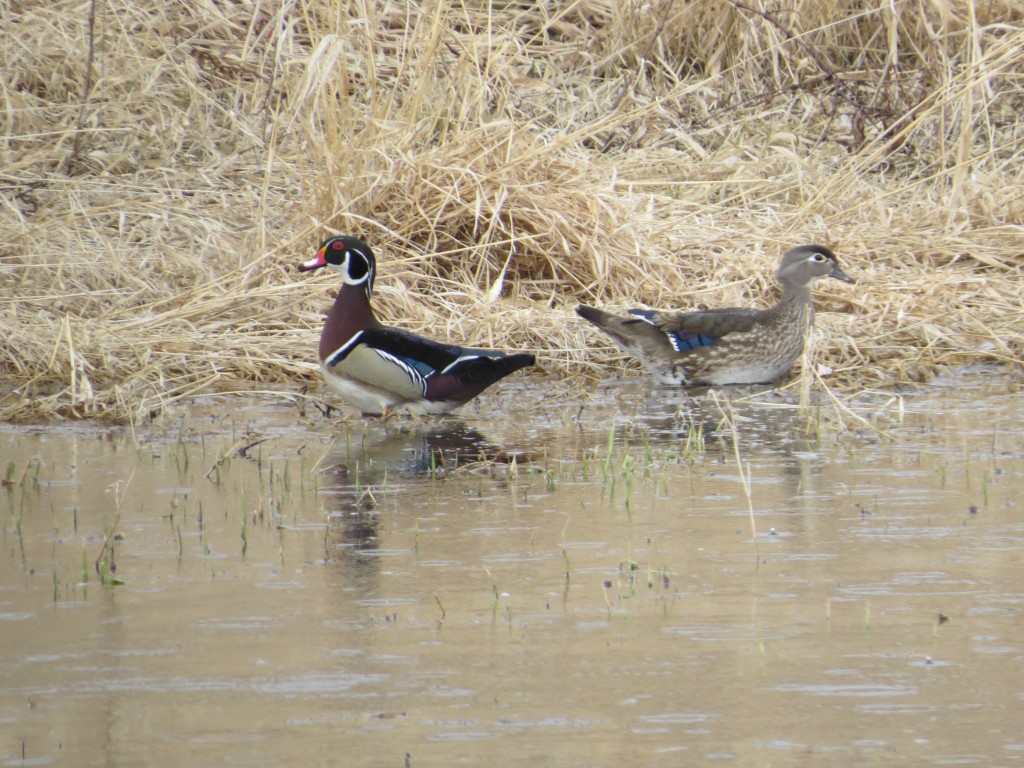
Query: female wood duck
{"type": "Point", "coordinates": [734, 345]}
{"type": "Point", "coordinates": [377, 368]}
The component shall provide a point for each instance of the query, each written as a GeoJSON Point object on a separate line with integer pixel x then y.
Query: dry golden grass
{"type": "Point", "coordinates": [506, 160]}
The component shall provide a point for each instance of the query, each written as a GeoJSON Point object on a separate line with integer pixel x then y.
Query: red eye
{"type": "Point", "coordinates": [337, 246]}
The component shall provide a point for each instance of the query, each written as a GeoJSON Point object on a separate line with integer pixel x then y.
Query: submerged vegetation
{"type": "Point", "coordinates": [165, 168]}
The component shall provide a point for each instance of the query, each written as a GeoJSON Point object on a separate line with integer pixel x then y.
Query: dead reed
{"type": "Point", "coordinates": [162, 175]}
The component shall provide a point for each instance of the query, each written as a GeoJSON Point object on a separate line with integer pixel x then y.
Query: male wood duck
{"type": "Point", "coordinates": [734, 345]}
{"type": "Point", "coordinates": [377, 368]}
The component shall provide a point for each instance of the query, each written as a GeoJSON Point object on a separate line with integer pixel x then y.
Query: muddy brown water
{"type": "Point", "coordinates": [602, 590]}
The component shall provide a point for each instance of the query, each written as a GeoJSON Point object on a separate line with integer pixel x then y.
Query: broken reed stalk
{"type": "Point", "coordinates": [86, 87]}
{"type": "Point", "coordinates": [120, 489]}
{"type": "Point", "coordinates": [729, 418]}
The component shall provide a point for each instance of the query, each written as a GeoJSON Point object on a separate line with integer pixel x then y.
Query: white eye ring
{"type": "Point", "coordinates": [818, 257]}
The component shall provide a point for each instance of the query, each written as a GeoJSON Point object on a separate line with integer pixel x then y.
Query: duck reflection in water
{"type": "Point", "coordinates": [369, 457]}
{"type": "Point", "coordinates": [366, 469]}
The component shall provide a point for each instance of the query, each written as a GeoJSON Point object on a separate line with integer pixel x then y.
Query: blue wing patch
{"type": "Point", "coordinates": [681, 342]}
{"type": "Point", "coordinates": [422, 368]}
{"type": "Point", "coordinates": [427, 370]}
{"type": "Point", "coordinates": [684, 342]}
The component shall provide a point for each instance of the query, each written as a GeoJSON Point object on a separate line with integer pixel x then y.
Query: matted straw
{"type": "Point", "coordinates": [505, 162]}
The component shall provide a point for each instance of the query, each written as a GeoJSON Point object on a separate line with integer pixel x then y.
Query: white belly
{"type": "Point", "coordinates": [748, 374]}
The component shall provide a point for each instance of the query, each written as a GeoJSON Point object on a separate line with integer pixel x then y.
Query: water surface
{"type": "Point", "coordinates": [586, 579]}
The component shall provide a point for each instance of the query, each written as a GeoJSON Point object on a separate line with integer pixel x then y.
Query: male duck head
{"type": "Point", "coordinates": [352, 258]}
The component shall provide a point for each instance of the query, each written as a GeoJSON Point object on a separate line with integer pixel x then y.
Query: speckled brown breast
{"type": "Point", "coordinates": [758, 356]}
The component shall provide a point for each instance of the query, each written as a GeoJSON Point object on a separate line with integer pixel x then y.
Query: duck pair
{"type": "Point", "coordinates": [377, 368]}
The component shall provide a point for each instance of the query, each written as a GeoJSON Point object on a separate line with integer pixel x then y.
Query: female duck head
{"type": "Point", "coordinates": [804, 265]}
